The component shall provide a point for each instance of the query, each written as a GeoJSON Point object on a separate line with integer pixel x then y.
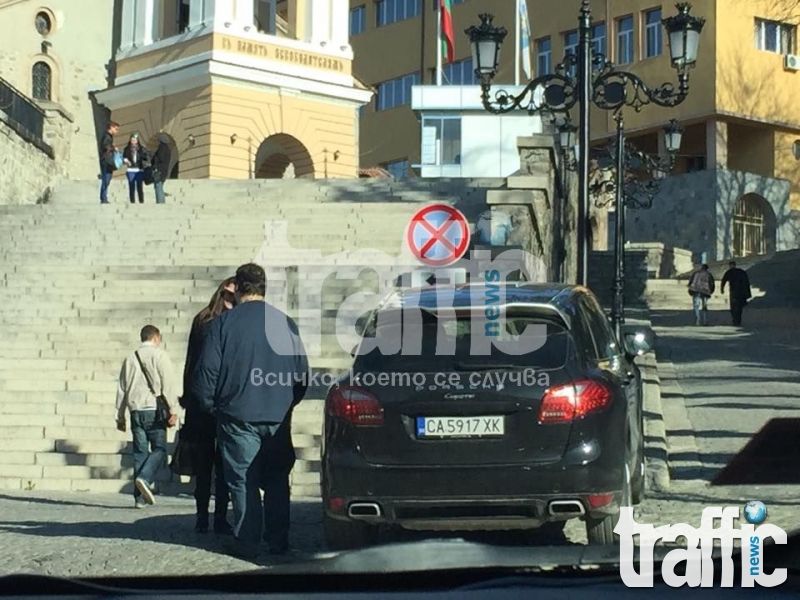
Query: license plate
{"type": "Point", "coordinates": [457, 427]}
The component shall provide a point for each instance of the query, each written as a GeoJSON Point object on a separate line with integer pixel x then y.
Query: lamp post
{"type": "Point", "coordinates": [630, 191]}
{"type": "Point", "coordinates": [598, 82]}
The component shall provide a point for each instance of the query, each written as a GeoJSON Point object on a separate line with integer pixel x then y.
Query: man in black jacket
{"type": "Point", "coordinates": [160, 165]}
{"type": "Point", "coordinates": [739, 291]}
{"type": "Point", "coordinates": [252, 371]}
{"type": "Point", "coordinates": [106, 152]}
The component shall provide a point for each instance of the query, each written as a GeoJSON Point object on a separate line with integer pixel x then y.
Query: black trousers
{"type": "Point", "coordinates": [737, 307]}
{"type": "Point", "coordinates": [208, 461]}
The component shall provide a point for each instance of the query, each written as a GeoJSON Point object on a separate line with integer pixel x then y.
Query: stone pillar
{"type": "Point", "coordinates": [320, 22]}
{"type": "Point", "coordinates": [197, 17]}
{"type": "Point", "coordinates": [340, 24]}
{"type": "Point", "coordinates": [128, 25]}
{"type": "Point", "coordinates": [716, 144]}
{"type": "Point", "coordinates": [218, 12]}
{"type": "Point", "coordinates": [245, 11]}
{"type": "Point", "coordinates": [297, 13]}
{"type": "Point", "coordinates": [146, 23]}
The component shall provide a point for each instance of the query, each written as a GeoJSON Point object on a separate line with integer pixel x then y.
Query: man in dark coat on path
{"type": "Point", "coordinates": [739, 290]}
{"type": "Point", "coordinates": [252, 371]}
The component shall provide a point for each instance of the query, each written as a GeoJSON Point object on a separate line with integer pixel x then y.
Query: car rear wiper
{"type": "Point", "coordinates": [484, 366]}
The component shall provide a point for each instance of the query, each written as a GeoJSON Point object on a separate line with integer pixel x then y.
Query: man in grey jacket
{"type": "Point", "coordinates": [134, 395]}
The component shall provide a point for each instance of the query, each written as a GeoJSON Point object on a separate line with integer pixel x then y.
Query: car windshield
{"type": "Point", "coordinates": [419, 340]}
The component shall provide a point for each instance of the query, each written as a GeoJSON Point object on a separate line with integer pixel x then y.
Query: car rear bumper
{"type": "Point", "coordinates": [486, 497]}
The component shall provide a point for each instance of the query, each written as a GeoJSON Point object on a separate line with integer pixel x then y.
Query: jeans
{"type": "Point", "coordinates": [105, 181]}
{"type": "Point", "coordinates": [136, 184]}
{"type": "Point", "coordinates": [700, 302]}
{"type": "Point", "coordinates": [737, 306]}
{"type": "Point", "coordinates": [158, 186]}
{"type": "Point", "coordinates": [243, 448]}
{"type": "Point", "coordinates": [149, 446]}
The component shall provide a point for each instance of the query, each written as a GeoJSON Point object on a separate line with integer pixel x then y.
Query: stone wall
{"type": "Point", "coordinates": [80, 49]}
{"type": "Point", "coordinates": [695, 211]}
{"type": "Point", "coordinates": [28, 171]}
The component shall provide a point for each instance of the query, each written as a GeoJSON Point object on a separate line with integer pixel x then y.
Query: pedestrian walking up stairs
{"type": "Point", "coordinates": [78, 280]}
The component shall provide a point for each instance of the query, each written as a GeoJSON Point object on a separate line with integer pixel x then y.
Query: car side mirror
{"type": "Point", "coordinates": [637, 340]}
{"type": "Point", "coordinates": [361, 323]}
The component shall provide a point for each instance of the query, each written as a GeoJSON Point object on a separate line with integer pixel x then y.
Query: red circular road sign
{"type": "Point", "coordinates": [438, 235]}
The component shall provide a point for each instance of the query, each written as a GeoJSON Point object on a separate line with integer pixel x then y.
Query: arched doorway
{"type": "Point", "coordinates": [174, 155]}
{"type": "Point", "coordinates": [753, 226]}
{"type": "Point", "coordinates": [282, 156]}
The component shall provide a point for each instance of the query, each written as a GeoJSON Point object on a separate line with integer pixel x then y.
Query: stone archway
{"type": "Point", "coordinates": [754, 227]}
{"type": "Point", "coordinates": [282, 156]}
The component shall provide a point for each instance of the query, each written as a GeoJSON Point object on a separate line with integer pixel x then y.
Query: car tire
{"type": "Point", "coordinates": [600, 532]}
{"type": "Point", "coordinates": [347, 535]}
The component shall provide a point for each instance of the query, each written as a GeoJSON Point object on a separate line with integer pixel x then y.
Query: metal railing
{"type": "Point", "coordinates": [21, 111]}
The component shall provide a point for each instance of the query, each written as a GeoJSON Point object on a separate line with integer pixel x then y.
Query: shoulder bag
{"type": "Point", "coordinates": [162, 406]}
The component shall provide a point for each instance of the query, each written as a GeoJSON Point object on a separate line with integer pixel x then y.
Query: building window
{"type": "Point", "coordinates": [652, 33]}
{"type": "Point", "coordinates": [44, 23]}
{"type": "Point", "coordinates": [358, 20]}
{"type": "Point", "coordinates": [391, 11]}
{"type": "Point", "coordinates": [265, 18]}
{"type": "Point", "coordinates": [544, 56]}
{"type": "Point", "coordinates": [695, 163]}
{"type": "Point", "coordinates": [599, 38]}
{"type": "Point", "coordinates": [42, 81]}
{"type": "Point", "coordinates": [459, 73]}
{"type": "Point", "coordinates": [441, 140]}
{"type": "Point", "coordinates": [398, 168]}
{"type": "Point", "coordinates": [773, 36]}
{"type": "Point", "coordinates": [571, 43]}
{"type": "Point", "coordinates": [182, 16]}
{"type": "Point", "coordinates": [396, 92]}
{"type": "Point", "coordinates": [625, 41]}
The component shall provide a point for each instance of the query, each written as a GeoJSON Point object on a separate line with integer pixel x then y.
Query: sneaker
{"type": "Point", "coordinates": [145, 490]}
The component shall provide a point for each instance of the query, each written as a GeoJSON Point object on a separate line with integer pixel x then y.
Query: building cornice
{"type": "Point", "coordinates": [164, 82]}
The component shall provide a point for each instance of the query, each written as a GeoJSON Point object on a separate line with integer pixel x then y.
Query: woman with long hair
{"type": "Point", "coordinates": [135, 156]}
{"type": "Point", "coordinates": [201, 428]}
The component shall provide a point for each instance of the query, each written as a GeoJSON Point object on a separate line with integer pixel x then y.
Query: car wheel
{"type": "Point", "coordinates": [601, 531]}
{"type": "Point", "coordinates": [347, 535]}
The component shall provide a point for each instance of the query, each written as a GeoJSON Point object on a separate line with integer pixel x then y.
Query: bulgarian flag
{"type": "Point", "coordinates": [446, 24]}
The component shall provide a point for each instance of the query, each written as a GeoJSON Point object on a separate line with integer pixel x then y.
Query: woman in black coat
{"type": "Point", "coordinates": [200, 428]}
{"type": "Point", "coordinates": [136, 158]}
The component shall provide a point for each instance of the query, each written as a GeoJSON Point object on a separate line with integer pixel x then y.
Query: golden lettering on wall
{"type": "Point", "coordinates": [295, 57]}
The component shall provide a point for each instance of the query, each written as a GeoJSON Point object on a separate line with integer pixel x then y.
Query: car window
{"type": "Point", "coordinates": [602, 332]}
{"type": "Point", "coordinates": [414, 340]}
{"type": "Point", "coordinates": [581, 330]}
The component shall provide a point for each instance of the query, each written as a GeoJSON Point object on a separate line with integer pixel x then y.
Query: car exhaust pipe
{"type": "Point", "coordinates": [364, 510]}
{"type": "Point", "coordinates": [565, 507]}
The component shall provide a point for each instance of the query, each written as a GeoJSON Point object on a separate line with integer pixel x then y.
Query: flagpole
{"type": "Point", "coordinates": [439, 43]}
{"type": "Point", "coordinates": [517, 49]}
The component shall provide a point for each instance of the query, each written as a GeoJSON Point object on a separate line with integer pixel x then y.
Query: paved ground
{"type": "Point", "coordinates": [733, 382]}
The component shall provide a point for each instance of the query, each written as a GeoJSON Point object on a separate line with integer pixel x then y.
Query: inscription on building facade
{"type": "Point", "coordinates": [294, 57]}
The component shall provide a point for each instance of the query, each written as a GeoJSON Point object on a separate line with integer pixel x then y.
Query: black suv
{"type": "Point", "coordinates": [480, 407]}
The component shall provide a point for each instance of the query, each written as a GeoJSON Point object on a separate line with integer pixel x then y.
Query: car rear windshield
{"type": "Point", "coordinates": [419, 340]}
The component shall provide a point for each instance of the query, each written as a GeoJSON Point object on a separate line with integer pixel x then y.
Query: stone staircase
{"type": "Point", "coordinates": [78, 281]}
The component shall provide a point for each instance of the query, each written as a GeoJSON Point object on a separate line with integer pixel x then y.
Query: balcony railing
{"type": "Point", "coordinates": [24, 116]}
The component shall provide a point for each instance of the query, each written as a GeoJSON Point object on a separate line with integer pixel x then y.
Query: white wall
{"type": "Point", "coordinates": [81, 46]}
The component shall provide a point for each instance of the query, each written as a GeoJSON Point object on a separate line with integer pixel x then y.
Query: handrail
{"type": "Point", "coordinates": [26, 117]}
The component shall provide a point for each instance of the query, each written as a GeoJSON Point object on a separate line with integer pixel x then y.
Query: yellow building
{"type": "Point", "coordinates": [252, 88]}
{"type": "Point", "coordinates": [741, 117]}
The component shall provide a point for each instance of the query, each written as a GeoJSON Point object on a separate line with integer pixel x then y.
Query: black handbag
{"type": "Point", "coordinates": [163, 411]}
{"type": "Point", "coordinates": [149, 178]}
{"type": "Point", "coordinates": [184, 457]}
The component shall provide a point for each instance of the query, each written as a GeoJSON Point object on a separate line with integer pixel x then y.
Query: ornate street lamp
{"type": "Point", "coordinates": [597, 82]}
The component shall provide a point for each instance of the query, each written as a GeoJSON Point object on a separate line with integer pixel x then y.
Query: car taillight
{"type": "Point", "coordinates": [355, 406]}
{"type": "Point", "coordinates": [565, 403]}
